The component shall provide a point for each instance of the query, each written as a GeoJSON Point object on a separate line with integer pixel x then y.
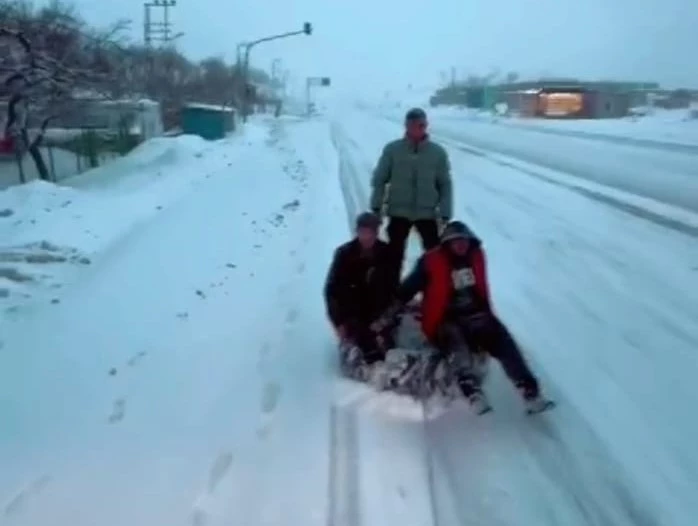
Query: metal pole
{"type": "Point", "coordinates": [307, 96]}
{"type": "Point", "coordinates": [166, 25]}
{"type": "Point", "coordinates": [245, 80]}
{"type": "Point", "coordinates": [246, 74]}
{"type": "Point", "coordinates": [146, 25]}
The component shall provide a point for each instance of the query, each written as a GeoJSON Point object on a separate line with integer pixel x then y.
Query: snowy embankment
{"type": "Point", "coordinates": [48, 230]}
{"type": "Point", "coordinates": [603, 302]}
{"type": "Point", "coordinates": [183, 378]}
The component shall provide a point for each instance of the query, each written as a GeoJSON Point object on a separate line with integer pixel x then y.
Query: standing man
{"type": "Point", "coordinates": [412, 184]}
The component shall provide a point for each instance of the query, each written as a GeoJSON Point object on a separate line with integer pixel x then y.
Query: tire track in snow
{"type": "Point", "coordinates": [344, 507]}
{"type": "Point", "coordinates": [343, 481]}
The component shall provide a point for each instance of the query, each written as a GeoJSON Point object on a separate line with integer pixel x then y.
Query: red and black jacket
{"type": "Point", "coordinates": [432, 275]}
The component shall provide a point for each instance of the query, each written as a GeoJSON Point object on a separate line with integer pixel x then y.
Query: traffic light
{"type": "Point", "coordinates": [307, 28]}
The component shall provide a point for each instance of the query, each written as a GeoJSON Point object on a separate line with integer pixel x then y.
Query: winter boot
{"type": "Point", "coordinates": [534, 401]}
{"type": "Point", "coordinates": [472, 390]}
{"type": "Point", "coordinates": [352, 362]}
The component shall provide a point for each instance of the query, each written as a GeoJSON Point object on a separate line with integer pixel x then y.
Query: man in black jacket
{"type": "Point", "coordinates": [359, 288]}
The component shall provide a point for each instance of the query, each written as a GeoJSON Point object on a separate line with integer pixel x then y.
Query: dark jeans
{"type": "Point", "coordinates": [488, 333]}
{"type": "Point", "coordinates": [399, 230]}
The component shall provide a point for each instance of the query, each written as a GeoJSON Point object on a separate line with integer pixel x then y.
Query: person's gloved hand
{"type": "Point", "coordinates": [380, 324]}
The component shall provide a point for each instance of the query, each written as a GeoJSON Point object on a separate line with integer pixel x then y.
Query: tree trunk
{"type": "Point", "coordinates": [35, 152]}
{"type": "Point", "coordinates": [41, 167]}
{"type": "Point", "coordinates": [20, 168]}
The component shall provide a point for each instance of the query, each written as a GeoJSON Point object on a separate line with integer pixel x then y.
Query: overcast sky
{"type": "Point", "coordinates": [386, 44]}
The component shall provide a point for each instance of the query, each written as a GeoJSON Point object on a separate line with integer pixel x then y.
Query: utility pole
{"type": "Point", "coordinates": [275, 67]}
{"type": "Point", "coordinates": [307, 30]}
{"type": "Point", "coordinates": [158, 31]}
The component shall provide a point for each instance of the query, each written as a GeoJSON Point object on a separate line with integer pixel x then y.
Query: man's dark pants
{"type": "Point", "coordinates": [398, 231]}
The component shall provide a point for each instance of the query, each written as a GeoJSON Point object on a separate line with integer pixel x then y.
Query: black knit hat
{"type": "Point", "coordinates": [456, 230]}
{"type": "Point", "coordinates": [368, 220]}
{"type": "Point", "coordinates": [416, 114]}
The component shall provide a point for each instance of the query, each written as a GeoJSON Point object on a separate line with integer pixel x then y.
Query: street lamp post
{"type": "Point", "coordinates": [307, 30]}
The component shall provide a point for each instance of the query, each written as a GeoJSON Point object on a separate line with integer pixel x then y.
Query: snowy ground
{"type": "Point", "coordinates": [150, 393]}
{"type": "Point", "coordinates": [47, 230]}
{"type": "Point", "coordinates": [186, 375]}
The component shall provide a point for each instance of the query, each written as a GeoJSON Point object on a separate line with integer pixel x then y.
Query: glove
{"type": "Point", "coordinates": [384, 321]}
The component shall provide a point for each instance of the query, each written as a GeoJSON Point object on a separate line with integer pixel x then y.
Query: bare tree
{"type": "Point", "coordinates": [54, 60]}
{"type": "Point", "coordinates": [53, 66]}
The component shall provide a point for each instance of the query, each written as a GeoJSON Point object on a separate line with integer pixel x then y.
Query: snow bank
{"type": "Point", "coordinates": [47, 230]}
{"type": "Point", "coordinates": [172, 384]}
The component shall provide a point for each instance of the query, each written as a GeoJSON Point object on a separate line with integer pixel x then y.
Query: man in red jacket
{"type": "Point", "coordinates": [457, 314]}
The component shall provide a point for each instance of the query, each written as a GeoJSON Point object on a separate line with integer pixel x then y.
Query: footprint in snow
{"type": "Point", "coordinates": [220, 467]}
{"type": "Point", "coordinates": [300, 269]}
{"type": "Point", "coordinates": [292, 316]}
{"type": "Point", "coordinates": [118, 411]}
{"type": "Point", "coordinates": [270, 397]}
{"type": "Point", "coordinates": [136, 358]}
{"type": "Point", "coordinates": [293, 205]}
{"type": "Point", "coordinates": [15, 504]}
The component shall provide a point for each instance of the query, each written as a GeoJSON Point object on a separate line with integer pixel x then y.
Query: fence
{"type": "Point", "coordinates": [68, 155]}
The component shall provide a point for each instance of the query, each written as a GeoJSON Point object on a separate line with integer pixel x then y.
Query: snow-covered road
{"type": "Point", "coordinates": [187, 377]}
{"type": "Point", "coordinates": [604, 303]}
{"type": "Point", "coordinates": [663, 174]}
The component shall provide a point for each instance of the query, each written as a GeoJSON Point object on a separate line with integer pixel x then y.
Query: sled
{"type": "Point", "coordinates": [413, 367]}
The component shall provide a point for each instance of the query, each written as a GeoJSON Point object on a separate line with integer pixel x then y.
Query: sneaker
{"type": "Point", "coordinates": [479, 403]}
{"type": "Point", "coordinates": [534, 401]}
{"type": "Point", "coordinates": [471, 389]}
{"type": "Point", "coordinates": [538, 404]}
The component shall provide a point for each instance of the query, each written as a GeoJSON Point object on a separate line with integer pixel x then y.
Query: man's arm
{"type": "Point", "coordinates": [333, 288]}
{"type": "Point", "coordinates": [381, 177]}
{"type": "Point", "coordinates": [482, 285]}
{"type": "Point", "coordinates": [444, 185]}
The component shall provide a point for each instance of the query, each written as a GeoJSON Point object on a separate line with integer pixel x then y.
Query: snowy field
{"type": "Point", "coordinates": [185, 375]}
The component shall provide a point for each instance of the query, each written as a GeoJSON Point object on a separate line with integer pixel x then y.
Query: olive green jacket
{"type": "Point", "coordinates": [413, 181]}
